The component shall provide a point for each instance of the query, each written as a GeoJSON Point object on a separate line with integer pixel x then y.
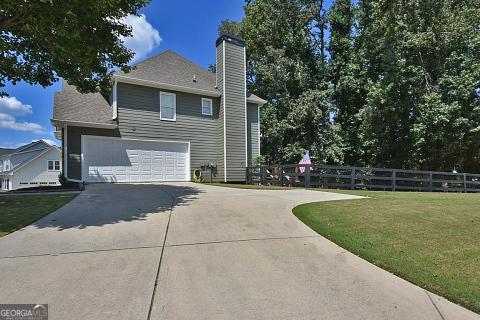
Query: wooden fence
{"type": "Point", "coordinates": [346, 177]}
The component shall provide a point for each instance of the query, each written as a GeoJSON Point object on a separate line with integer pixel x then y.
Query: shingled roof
{"type": "Point", "coordinates": [6, 151]}
{"type": "Point", "coordinates": [168, 68]}
{"type": "Point", "coordinates": [71, 105]}
{"type": "Point", "coordinates": [171, 68]}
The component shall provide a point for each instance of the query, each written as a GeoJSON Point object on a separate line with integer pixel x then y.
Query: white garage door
{"type": "Point", "coordinates": [120, 160]}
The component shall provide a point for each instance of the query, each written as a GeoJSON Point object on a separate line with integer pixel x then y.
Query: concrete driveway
{"type": "Point", "coordinates": [187, 251]}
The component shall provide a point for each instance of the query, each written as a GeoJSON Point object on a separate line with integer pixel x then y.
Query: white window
{"type": "Point", "coordinates": [168, 106]}
{"type": "Point", "coordinates": [207, 106]}
{"type": "Point", "coordinates": [53, 165]}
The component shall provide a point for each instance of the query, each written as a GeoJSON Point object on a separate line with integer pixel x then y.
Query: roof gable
{"type": "Point", "coordinates": [69, 104]}
{"type": "Point", "coordinates": [34, 145]}
{"type": "Point", "coordinates": [169, 67]}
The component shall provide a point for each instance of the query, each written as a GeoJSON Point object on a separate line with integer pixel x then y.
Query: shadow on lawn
{"type": "Point", "coordinates": [103, 204]}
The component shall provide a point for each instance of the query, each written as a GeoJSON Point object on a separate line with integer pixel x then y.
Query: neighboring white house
{"type": "Point", "coordinates": [32, 165]}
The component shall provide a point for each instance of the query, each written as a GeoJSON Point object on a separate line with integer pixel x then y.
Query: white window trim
{"type": "Point", "coordinates": [211, 107]}
{"type": "Point", "coordinates": [174, 106]}
{"type": "Point", "coordinates": [52, 170]}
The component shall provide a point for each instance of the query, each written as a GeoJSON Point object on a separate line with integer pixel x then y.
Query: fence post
{"type": "Point", "coordinates": [352, 179]}
{"type": "Point", "coordinates": [307, 176]}
{"type": "Point", "coordinates": [264, 175]}
{"type": "Point", "coordinates": [394, 180]}
{"type": "Point", "coordinates": [430, 181]}
{"type": "Point", "coordinates": [465, 182]}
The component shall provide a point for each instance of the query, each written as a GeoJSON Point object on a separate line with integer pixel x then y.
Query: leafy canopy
{"type": "Point", "coordinates": [78, 40]}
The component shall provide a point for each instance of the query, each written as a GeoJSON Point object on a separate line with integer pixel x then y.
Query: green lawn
{"type": "Point", "coordinates": [430, 239]}
{"type": "Point", "coordinates": [19, 211]}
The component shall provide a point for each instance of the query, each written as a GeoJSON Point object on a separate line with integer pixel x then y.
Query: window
{"type": "Point", "coordinates": [167, 106]}
{"type": "Point", "coordinates": [53, 165]}
{"type": "Point", "coordinates": [207, 106]}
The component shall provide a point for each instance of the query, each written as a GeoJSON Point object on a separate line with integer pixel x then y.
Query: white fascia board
{"type": "Point", "coordinates": [166, 86]}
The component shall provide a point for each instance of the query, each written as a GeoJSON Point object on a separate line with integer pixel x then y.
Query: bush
{"type": "Point", "coordinates": [62, 179]}
{"type": "Point", "coordinates": [261, 159]}
{"type": "Point", "coordinates": [197, 176]}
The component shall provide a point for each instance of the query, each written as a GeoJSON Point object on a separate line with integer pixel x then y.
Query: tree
{"type": "Point", "coordinates": [79, 41]}
{"type": "Point", "coordinates": [285, 64]}
{"type": "Point", "coordinates": [422, 69]}
{"type": "Point", "coordinates": [401, 80]}
{"type": "Point", "coordinates": [346, 78]}
{"type": "Point", "coordinates": [230, 27]}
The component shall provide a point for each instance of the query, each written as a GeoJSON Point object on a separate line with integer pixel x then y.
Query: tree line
{"type": "Point", "coordinates": [393, 83]}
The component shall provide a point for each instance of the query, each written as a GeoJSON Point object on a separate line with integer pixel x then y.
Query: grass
{"type": "Point", "coordinates": [430, 239]}
{"type": "Point", "coordinates": [19, 211]}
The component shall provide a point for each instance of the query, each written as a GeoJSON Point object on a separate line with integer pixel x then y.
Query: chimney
{"type": "Point", "coordinates": [231, 82]}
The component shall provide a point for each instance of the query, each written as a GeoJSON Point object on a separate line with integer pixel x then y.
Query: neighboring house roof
{"type": "Point", "coordinates": [73, 106]}
{"type": "Point", "coordinates": [41, 144]}
{"type": "Point", "coordinates": [5, 151]}
{"type": "Point", "coordinates": [169, 67]}
{"type": "Point", "coordinates": [37, 155]}
{"type": "Point", "coordinates": [40, 147]}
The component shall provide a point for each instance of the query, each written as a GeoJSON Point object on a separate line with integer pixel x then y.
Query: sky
{"type": "Point", "coordinates": [188, 27]}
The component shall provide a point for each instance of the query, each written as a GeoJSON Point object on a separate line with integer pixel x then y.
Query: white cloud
{"type": "Point", "coordinates": [9, 122]}
{"type": "Point", "coordinates": [144, 36]}
{"type": "Point", "coordinates": [10, 108]}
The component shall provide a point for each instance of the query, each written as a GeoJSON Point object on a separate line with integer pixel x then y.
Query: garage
{"type": "Point", "coordinates": [107, 159]}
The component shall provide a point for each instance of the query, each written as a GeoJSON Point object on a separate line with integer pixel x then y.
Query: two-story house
{"type": "Point", "coordinates": [164, 119]}
{"type": "Point", "coordinates": [36, 164]}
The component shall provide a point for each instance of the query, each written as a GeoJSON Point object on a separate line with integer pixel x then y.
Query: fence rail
{"type": "Point", "coordinates": [346, 177]}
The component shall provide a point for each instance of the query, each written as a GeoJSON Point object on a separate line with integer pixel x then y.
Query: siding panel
{"type": "Point", "coordinates": [253, 132]}
{"type": "Point", "coordinates": [139, 118]}
{"type": "Point", "coordinates": [235, 112]}
{"type": "Point", "coordinates": [74, 150]}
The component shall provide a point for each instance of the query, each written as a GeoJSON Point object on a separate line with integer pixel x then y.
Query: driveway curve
{"type": "Point", "coordinates": [188, 251]}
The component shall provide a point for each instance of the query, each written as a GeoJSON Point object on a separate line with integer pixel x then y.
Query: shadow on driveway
{"type": "Point", "coordinates": [103, 204]}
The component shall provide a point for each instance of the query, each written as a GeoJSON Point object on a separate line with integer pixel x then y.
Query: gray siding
{"type": "Point", "coordinates": [139, 118]}
{"type": "Point", "coordinates": [74, 150]}
{"type": "Point", "coordinates": [253, 132]}
{"type": "Point", "coordinates": [235, 116]}
{"type": "Point", "coordinates": [220, 129]}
